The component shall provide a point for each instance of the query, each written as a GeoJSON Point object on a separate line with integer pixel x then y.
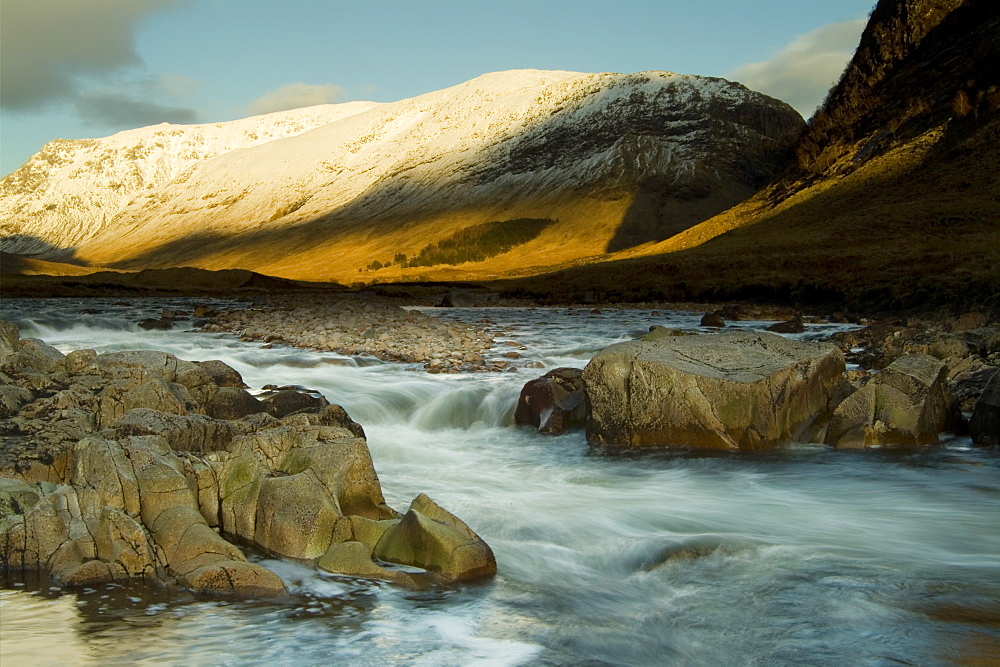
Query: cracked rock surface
{"type": "Point", "coordinates": [110, 469]}
{"type": "Point", "coordinates": [731, 390]}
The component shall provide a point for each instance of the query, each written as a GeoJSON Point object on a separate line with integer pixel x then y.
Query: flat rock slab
{"type": "Point", "coordinates": [731, 390]}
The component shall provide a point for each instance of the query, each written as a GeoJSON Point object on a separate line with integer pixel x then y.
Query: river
{"type": "Point", "coordinates": [799, 556]}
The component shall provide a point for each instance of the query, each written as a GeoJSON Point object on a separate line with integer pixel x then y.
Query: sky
{"type": "Point", "coordinates": [74, 69]}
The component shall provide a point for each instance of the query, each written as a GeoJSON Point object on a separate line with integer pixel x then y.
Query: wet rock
{"type": "Point", "coordinates": [9, 338]}
{"type": "Point", "coordinates": [12, 399]}
{"type": "Point", "coordinates": [432, 538]}
{"type": "Point", "coordinates": [154, 324]}
{"type": "Point", "coordinates": [967, 380]}
{"type": "Point", "coordinates": [233, 403]}
{"type": "Point", "coordinates": [184, 432]}
{"type": "Point", "coordinates": [222, 374]}
{"type": "Point", "coordinates": [731, 390]}
{"type": "Point", "coordinates": [295, 516]}
{"type": "Point", "coordinates": [656, 332]}
{"type": "Point", "coordinates": [95, 486]}
{"type": "Point", "coordinates": [286, 401]}
{"type": "Point", "coordinates": [554, 402]}
{"type": "Point", "coordinates": [790, 327]}
{"type": "Point", "coordinates": [905, 405]}
{"type": "Point", "coordinates": [713, 319]}
{"type": "Point", "coordinates": [984, 426]}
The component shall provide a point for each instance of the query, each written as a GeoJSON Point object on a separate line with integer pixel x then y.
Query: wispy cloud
{"type": "Point", "coordinates": [295, 95]}
{"type": "Point", "coordinates": [802, 72]}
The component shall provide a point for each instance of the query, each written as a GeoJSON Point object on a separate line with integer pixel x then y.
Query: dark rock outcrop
{"type": "Point", "coordinates": [554, 402]}
{"type": "Point", "coordinates": [984, 425]}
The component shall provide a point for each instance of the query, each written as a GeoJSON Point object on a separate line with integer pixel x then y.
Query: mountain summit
{"type": "Point", "coordinates": [506, 172]}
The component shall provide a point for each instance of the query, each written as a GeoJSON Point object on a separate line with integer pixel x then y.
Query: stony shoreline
{"type": "Point", "coordinates": [140, 465]}
{"type": "Point", "coordinates": [371, 327]}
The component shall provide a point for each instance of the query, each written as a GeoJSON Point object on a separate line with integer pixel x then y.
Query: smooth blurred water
{"type": "Point", "coordinates": [801, 556]}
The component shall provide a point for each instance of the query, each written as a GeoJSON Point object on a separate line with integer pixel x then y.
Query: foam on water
{"type": "Point", "coordinates": [804, 555]}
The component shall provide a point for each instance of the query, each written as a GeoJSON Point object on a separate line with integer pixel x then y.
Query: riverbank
{"type": "Point", "coordinates": [685, 556]}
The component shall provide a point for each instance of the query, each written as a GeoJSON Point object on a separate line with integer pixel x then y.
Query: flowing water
{"type": "Point", "coordinates": [801, 556]}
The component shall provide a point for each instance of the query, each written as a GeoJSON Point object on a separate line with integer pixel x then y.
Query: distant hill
{"type": "Point", "coordinates": [606, 161]}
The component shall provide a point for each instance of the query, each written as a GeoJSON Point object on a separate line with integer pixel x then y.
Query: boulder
{"type": "Point", "coordinates": [790, 327]}
{"type": "Point", "coordinates": [152, 323]}
{"type": "Point", "coordinates": [984, 425]}
{"type": "Point", "coordinates": [432, 538]}
{"type": "Point", "coordinates": [968, 379]}
{"type": "Point", "coordinates": [295, 516]}
{"type": "Point", "coordinates": [712, 320]}
{"type": "Point", "coordinates": [233, 403]}
{"type": "Point", "coordinates": [554, 402]}
{"type": "Point", "coordinates": [222, 374]}
{"type": "Point", "coordinates": [286, 401]}
{"type": "Point", "coordinates": [730, 390]}
{"type": "Point", "coordinates": [9, 337]}
{"type": "Point", "coordinates": [907, 404]}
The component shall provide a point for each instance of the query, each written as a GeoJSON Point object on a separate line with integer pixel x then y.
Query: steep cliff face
{"type": "Point", "coordinates": [920, 64]}
{"type": "Point", "coordinates": [584, 152]}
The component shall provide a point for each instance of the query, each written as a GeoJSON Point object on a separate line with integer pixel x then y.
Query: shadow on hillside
{"type": "Point", "coordinates": [901, 238]}
{"type": "Point", "coordinates": [15, 262]}
{"type": "Point", "coordinates": [552, 143]}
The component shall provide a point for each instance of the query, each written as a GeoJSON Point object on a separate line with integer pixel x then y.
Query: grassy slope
{"type": "Point", "coordinates": [916, 226]}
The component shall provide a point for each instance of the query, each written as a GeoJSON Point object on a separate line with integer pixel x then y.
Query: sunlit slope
{"type": "Point", "coordinates": [610, 160]}
{"type": "Point", "coordinates": [72, 190]}
{"type": "Point", "coordinates": [893, 199]}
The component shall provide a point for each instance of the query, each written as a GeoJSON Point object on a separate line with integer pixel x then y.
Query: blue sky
{"type": "Point", "coordinates": [75, 68]}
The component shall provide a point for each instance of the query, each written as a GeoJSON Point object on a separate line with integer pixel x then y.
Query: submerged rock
{"type": "Point", "coordinates": [731, 390]}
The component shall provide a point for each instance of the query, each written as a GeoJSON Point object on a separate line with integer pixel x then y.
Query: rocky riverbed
{"type": "Point", "coordinates": [140, 465]}
{"type": "Point", "coordinates": [724, 553]}
{"type": "Point", "coordinates": [371, 327]}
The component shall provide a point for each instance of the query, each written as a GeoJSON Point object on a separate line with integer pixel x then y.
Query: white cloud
{"type": "Point", "coordinates": [49, 45]}
{"type": "Point", "coordinates": [803, 72]}
{"type": "Point", "coordinates": [295, 95]}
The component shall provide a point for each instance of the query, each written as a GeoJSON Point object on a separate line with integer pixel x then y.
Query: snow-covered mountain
{"type": "Point", "coordinates": [612, 160]}
{"type": "Point", "coordinates": [70, 190]}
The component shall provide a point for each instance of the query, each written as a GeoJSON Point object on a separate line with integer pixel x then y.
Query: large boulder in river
{"type": "Point", "coordinates": [731, 390]}
{"type": "Point", "coordinates": [554, 402]}
{"type": "Point", "coordinates": [985, 422]}
{"type": "Point", "coordinates": [907, 404]}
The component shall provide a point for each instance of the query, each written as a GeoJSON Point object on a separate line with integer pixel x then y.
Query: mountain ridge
{"type": "Point", "coordinates": [567, 146]}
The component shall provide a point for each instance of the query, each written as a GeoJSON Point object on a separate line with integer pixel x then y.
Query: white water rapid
{"type": "Point", "coordinates": [799, 556]}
